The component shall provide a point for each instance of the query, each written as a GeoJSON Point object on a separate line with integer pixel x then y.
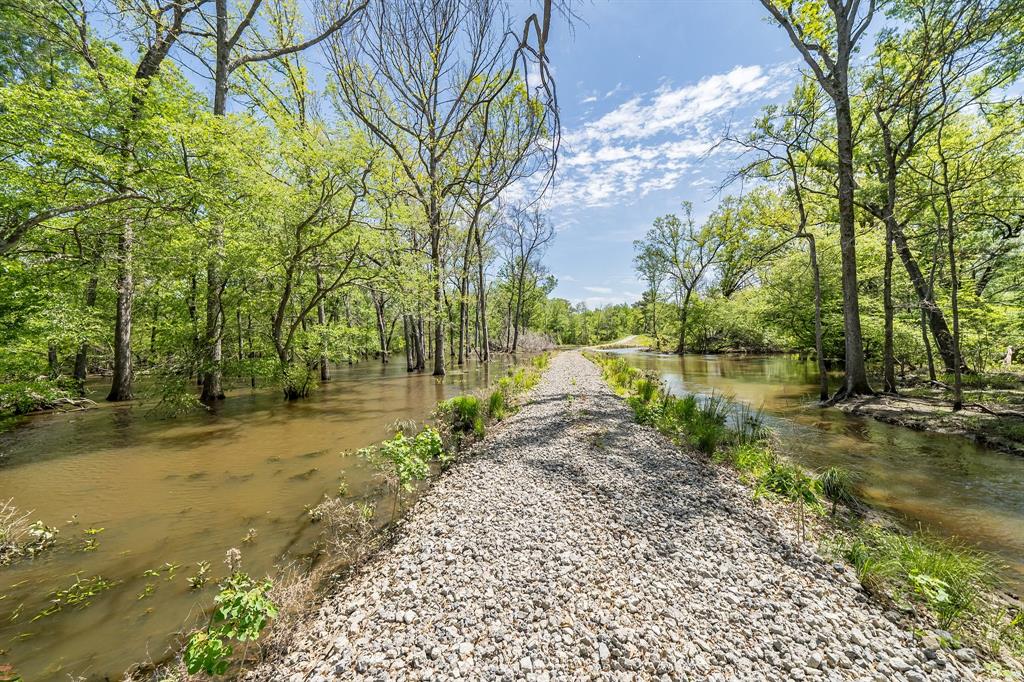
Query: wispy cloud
{"type": "Point", "coordinates": [647, 143]}
{"type": "Point", "coordinates": [588, 100]}
{"type": "Point", "coordinates": [598, 290]}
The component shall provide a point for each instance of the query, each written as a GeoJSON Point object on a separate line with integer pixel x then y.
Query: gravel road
{"type": "Point", "coordinates": [579, 545]}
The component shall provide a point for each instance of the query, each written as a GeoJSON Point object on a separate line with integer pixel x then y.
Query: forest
{"type": "Point", "coordinates": [311, 212]}
{"type": "Point", "coordinates": [874, 220]}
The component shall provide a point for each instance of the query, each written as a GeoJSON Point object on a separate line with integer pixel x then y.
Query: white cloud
{"type": "Point", "coordinates": [617, 89]}
{"type": "Point", "coordinates": [598, 290]}
{"type": "Point", "coordinates": [588, 100]}
{"type": "Point", "coordinates": [669, 109]}
{"type": "Point", "coordinates": [648, 143]}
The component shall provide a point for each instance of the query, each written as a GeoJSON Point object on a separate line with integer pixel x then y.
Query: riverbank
{"type": "Point", "coordinates": [577, 543]}
{"type": "Point", "coordinates": [987, 426]}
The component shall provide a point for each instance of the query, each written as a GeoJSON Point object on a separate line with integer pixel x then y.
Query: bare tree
{"type": "Point", "coordinates": [526, 234]}
{"type": "Point", "coordinates": [416, 75]}
{"type": "Point", "coordinates": [235, 47]}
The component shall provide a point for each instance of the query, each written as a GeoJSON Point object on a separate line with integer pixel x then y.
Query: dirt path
{"type": "Point", "coordinates": [580, 545]}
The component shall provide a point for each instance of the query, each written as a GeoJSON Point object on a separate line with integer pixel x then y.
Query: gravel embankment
{"type": "Point", "coordinates": [580, 545]}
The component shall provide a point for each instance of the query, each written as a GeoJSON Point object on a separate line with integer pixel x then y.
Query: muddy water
{"type": "Point", "coordinates": [944, 483]}
{"type": "Point", "coordinates": [179, 492]}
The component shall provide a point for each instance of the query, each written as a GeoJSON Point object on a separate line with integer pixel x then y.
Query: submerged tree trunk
{"type": "Point", "coordinates": [82, 357]}
{"type": "Point", "coordinates": [121, 384]}
{"type": "Point", "coordinates": [481, 295]}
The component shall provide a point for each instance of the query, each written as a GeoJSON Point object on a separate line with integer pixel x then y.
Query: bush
{"type": "Point", "coordinates": [542, 361]}
{"type": "Point", "coordinates": [243, 610]}
{"type": "Point", "coordinates": [22, 397]}
{"type": "Point", "coordinates": [787, 481]}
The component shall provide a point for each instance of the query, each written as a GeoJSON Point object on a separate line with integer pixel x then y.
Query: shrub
{"type": "Point", "coordinates": [22, 397]}
{"type": "Point", "coordinates": [243, 610]}
{"type": "Point", "coordinates": [787, 481]}
{"type": "Point", "coordinates": [542, 361]}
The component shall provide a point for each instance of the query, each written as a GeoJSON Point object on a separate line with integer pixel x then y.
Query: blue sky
{"type": "Point", "coordinates": [645, 88]}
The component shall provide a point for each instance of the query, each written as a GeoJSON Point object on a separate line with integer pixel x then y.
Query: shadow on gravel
{"type": "Point", "coordinates": [592, 451]}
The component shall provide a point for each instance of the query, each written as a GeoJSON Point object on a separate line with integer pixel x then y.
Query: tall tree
{"type": "Point", "coordinates": [826, 35]}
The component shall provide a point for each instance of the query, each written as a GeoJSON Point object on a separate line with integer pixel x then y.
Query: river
{"type": "Point", "coordinates": [178, 492]}
{"type": "Point", "coordinates": [940, 482]}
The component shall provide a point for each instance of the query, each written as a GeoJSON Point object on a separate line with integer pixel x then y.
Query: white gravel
{"type": "Point", "coordinates": [580, 545]}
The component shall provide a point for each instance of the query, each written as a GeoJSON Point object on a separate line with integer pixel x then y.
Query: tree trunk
{"type": "Point", "coordinates": [819, 346]}
{"type": "Point", "coordinates": [888, 361]}
{"type": "Point", "coordinates": [936, 320]}
{"type": "Point", "coordinates": [121, 385]}
{"type": "Point", "coordinates": [82, 357]}
{"type": "Point", "coordinates": [856, 381]}
{"type": "Point", "coordinates": [683, 311]}
{"type": "Point", "coordinates": [213, 389]}
{"type": "Point", "coordinates": [481, 294]}
{"type": "Point", "coordinates": [321, 320]}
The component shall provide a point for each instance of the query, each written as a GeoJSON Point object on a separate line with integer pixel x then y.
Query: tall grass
{"type": "Point", "coordinates": [948, 577]}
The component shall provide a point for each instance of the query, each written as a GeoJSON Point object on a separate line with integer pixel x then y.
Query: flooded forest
{"type": "Point", "coordinates": [271, 270]}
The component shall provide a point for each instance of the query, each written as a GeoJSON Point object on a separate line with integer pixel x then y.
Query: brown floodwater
{"type": "Point", "coordinates": [180, 491]}
{"type": "Point", "coordinates": [944, 483]}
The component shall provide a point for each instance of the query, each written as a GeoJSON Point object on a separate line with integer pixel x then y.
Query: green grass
{"type": "Point", "coordinates": [465, 414]}
{"type": "Point", "coordinates": [950, 578]}
{"type": "Point", "coordinates": [496, 405]}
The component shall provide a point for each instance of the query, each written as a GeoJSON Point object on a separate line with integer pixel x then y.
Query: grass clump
{"type": "Point", "coordinates": [497, 407]}
{"type": "Point", "coordinates": [839, 486]}
{"type": "Point", "coordinates": [464, 414]}
{"type": "Point", "coordinates": [542, 361]}
{"type": "Point", "coordinates": [951, 579]}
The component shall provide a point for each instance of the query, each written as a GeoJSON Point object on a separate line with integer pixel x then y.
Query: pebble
{"type": "Point", "coordinates": [573, 543]}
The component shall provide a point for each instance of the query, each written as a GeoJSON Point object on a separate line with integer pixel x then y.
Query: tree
{"type": "Point", "coordinates": [826, 35]}
{"type": "Point", "coordinates": [649, 264]}
{"type": "Point", "coordinates": [687, 254]}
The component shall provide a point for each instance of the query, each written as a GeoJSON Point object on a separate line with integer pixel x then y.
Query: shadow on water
{"type": "Point", "coordinates": [183, 491]}
{"type": "Point", "coordinates": [945, 483]}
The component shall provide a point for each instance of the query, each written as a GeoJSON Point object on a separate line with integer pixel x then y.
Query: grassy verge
{"type": "Point", "coordinates": [954, 586]}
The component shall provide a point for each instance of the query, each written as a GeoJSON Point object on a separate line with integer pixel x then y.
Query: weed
{"type": "Point", "coordinates": [243, 610]}
{"type": "Point", "coordinates": [199, 579]}
{"type": "Point", "coordinates": [948, 577]}
{"type": "Point", "coordinates": [18, 537]}
{"type": "Point", "coordinates": [78, 595]}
